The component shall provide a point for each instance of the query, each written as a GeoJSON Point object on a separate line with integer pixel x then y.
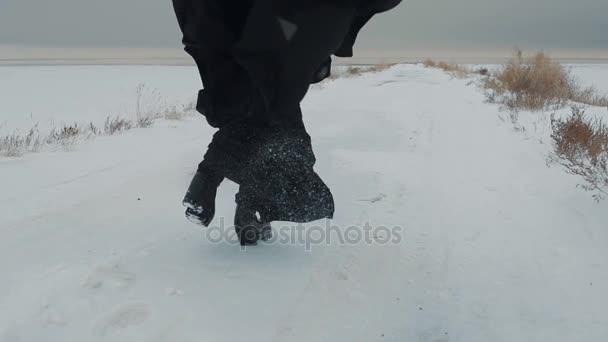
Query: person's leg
{"type": "Point", "coordinates": [200, 196]}
{"type": "Point", "coordinates": [282, 48]}
{"type": "Point", "coordinates": [249, 227]}
{"type": "Point", "coordinates": [210, 29]}
{"type": "Point", "coordinates": [273, 164]}
{"type": "Point", "coordinates": [226, 157]}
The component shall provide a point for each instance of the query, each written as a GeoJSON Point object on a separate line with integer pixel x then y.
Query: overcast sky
{"type": "Point", "coordinates": [416, 23]}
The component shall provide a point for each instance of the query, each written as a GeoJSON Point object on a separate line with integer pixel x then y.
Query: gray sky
{"type": "Point", "coordinates": [416, 23]}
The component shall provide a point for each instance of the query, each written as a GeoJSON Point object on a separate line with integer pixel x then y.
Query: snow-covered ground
{"type": "Point", "coordinates": [493, 245]}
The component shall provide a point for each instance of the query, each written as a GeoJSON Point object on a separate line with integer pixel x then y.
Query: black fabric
{"type": "Point", "coordinates": [274, 166]}
{"type": "Point", "coordinates": [282, 69]}
{"type": "Point", "coordinates": [346, 48]}
{"type": "Point", "coordinates": [257, 59]}
{"type": "Point", "coordinates": [323, 71]}
{"type": "Point", "coordinates": [366, 9]}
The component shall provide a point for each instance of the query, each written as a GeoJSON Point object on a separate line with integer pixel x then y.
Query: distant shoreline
{"type": "Point", "coordinates": [40, 56]}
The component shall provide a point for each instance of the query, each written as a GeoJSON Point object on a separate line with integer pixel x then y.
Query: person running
{"type": "Point", "coordinates": [257, 60]}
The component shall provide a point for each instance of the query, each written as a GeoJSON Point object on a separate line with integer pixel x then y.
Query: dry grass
{"type": "Point", "coordinates": [14, 145]}
{"type": "Point", "coordinates": [532, 83]}
{"type": "Point", "coordinates": [358, 70]}
{"type": "Point", "coordinates": [144, 121]}
{"type": "Point", "coordinates": [581, 146]}
{"type": "Point", "coordinates": [535, 83]}
{"type": "Point", "coordinates": [93, 130]}
{"type": "Point", "coordinates": [175, 113]}
{"type": "Point", "coordinates": [116, 125]}
{"type": "Point", "coordinates": [590, 96]}
{"type": "Point", "coordinates": [579, 135]}
{"type": "Point", "coordinates": [453, 69]}
{"type": "Point", "coordinates": [149, 108]}
{"type": "Point", "coordinates": [66, 132]}
{"type": "Point", "coordinates": [190, 107]}
{"type": "Point", "coordinates": [172, 114]}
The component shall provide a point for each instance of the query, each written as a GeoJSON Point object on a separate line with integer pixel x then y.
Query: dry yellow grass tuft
{"type": "Point", "coordinates": [149, 107]}
{"type": "Point", "coordinates": [590, 97]}
{"type": "Point", "coordinates": [358, 70]}
{"type": "Point", "coordinates": [532, 83]}
{"type": "Point", "coordinates": [537, 82]}
{"type": "Point", "coordinates": [454, 69]}
{"type": "Point", "coordinates": [14, 144]}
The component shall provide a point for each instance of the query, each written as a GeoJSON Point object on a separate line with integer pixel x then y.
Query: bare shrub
{"type": "Point", "coordinates": [536, 83]}
{"type": "Point", "coordinates": [581, 146]}
{"type": "Point", "coordinates": [117, 125]}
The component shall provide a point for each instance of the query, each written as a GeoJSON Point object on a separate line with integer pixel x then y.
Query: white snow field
{"type": "Point", "coordinates": [495, 246]}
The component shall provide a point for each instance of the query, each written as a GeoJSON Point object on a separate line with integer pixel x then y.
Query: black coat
{"type": "Point", "coordinates": [257, 60]}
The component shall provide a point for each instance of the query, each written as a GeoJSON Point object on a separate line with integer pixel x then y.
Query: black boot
{"type": "Point", "coordinates": [266, 232]}
{"type": "Point", "coordinates": [246, 225]}
{"type": "Point", "coordinates": [249, 228]}
{"type": "Point", "coordinates": [200, 197]}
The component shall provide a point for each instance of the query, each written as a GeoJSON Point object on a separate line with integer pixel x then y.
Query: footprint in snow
{"type": "Point", "coordinates": [110, 277]}
{"type": "Point", "coordinates": [122, 318]}
{"type": "Point", "coordinates": [51, 317]}
{"type": "Point", "coordinates": [375, 199]}
{"type": "Point", "coordinates": [172, 291]}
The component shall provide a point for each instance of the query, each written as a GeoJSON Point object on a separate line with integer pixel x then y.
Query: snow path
{"type": "Point", "coordinates": [496, 246]}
